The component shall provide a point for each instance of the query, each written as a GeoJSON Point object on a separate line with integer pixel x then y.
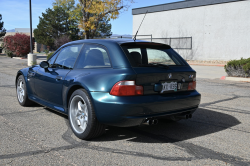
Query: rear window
{"type": "Point", "coordinates": [145, 55]}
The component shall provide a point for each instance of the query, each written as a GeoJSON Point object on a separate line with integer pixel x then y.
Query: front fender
{"type": "Point", "coordinates": [25, 73]}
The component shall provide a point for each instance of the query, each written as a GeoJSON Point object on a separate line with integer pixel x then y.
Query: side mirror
{"type": "Point", "coordinates": [44, 64]}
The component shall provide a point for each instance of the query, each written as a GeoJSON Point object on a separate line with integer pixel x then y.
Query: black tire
{"type": "Point", "coordinates": [25, 100]}
{"type": "Point", "coordinates": [92, 127]}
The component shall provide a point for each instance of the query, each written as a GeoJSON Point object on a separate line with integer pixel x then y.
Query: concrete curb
{"type": "Point", "coordinates": [18, 58]}
{"type": "Point", "coordinates": [235, 79]}
{"type": "Point", "coordinates": [204, 64]}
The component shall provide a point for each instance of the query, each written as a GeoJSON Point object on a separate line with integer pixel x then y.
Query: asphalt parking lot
{"type": "Point", "coordinates": [218, 133]}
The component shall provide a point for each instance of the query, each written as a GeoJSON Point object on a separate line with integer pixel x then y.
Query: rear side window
{"type": "Point", "coordinates": [149, 55]}
{"type": "Point", "coordinates": [93, 56]}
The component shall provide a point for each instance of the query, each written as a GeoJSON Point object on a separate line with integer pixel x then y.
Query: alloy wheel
{"type": "Point", "coordinates": [20, 91]}
{"type": "Point", "coordinates": [78, 113]}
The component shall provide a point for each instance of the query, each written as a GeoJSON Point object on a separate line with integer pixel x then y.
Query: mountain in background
{"type": "Point", "coordinates": [11, 30]}
{"type": "Point", "coordinates": [124, 35]}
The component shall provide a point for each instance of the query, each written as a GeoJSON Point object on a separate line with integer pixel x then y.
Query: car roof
{"type": "Point", "coordinates": [111, 41]}
{"type": "Point", "coordinates": [119, 41]}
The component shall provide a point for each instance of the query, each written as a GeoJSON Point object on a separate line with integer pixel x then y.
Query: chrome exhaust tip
{"type": "Point", "coordinates": [155, 121]}
{"type": "Point", "coordinates": [147, 122]}
{"type": "Point", "coordinates": [150, 122]}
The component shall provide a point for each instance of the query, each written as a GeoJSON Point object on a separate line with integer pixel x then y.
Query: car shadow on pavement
{"type": "Point", "coordinates": [204, 122]}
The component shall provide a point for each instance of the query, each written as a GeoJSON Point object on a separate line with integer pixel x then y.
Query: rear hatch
{"type": "Point", "coordinates": [159, 69]}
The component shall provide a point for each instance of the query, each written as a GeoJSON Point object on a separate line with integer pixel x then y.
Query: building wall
{"type": "Point", "coordinates": [219, 32]}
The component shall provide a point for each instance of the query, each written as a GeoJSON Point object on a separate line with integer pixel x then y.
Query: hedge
{"type": "Point", "coordinates": [18, 44]}
{"type": "Point", "coordinates": [238, 68]}
{"type": "Point", "coordinates": [49, 55]}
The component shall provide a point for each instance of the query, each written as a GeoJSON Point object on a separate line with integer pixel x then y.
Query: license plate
{"type": "Point", "coordinates": [169, 86]}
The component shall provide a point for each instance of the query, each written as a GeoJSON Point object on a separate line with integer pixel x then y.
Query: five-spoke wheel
{"type": "Point", "coordinates": [78, 114]}
{"type": "Point", "coordinates": [21, 91]}
{"type": "Point", "coordinates": [82, 117]}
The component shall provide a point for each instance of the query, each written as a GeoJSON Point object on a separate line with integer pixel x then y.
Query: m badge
{"type": "Point", "coordinates": [191, 76]}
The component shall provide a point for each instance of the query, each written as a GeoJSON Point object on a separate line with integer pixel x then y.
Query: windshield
{"type": "Point", "coordinates": [143, 56]}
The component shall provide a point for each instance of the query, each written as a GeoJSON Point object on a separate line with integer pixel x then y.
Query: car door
{"type": "Point", "coordinates": [50, 81]}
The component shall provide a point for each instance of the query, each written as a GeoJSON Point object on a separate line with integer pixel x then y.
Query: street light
{"type": "Point", "coordinates": [31, 56]}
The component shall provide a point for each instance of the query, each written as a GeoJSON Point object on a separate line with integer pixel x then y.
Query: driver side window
{"type": "Point", "coordinates": [67, 57]}
{"type": "Point", "coordinates": [52, 59]}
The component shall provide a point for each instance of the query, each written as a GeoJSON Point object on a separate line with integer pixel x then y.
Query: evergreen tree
{"type": "Point", "coordinates": [2, 30]}
{"type": "Point", "coordinates": [103, 29]}
{"type": "Point", "coordinates": [53, 24]}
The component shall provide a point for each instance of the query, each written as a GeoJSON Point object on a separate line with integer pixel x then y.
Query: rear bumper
{"type": "Point", "coordinates": [132, 110]}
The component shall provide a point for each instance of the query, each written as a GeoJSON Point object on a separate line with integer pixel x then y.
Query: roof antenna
{"type": "Point", "coordinates": [140, 26]}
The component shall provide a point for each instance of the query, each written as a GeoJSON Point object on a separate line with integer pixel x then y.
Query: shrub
{"type": "Point", "coordinates": [238, 68]}
{"type": "Point", "coordinates": [49, 55]}
{"type": "Point", "coordinates": [19, 44]}
{"type": "Point", "coordinates": [46, 51]}
{"type": "Point", "coordinates": [7, 52]}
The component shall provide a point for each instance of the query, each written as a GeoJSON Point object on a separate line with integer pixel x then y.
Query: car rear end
{"type": "Point", "coordinates": [164, 86]}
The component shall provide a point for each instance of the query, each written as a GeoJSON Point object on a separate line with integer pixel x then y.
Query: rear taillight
{"type": "Point", "coordinates": [192, 85]}
{"type": "Point", "coordinates": [126, 88]}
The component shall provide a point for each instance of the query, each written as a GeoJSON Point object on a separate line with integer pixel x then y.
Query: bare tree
{"type": "Point", "coordinates": [61, 41]}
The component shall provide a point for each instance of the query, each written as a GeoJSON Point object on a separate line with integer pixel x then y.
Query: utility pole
{"type": "Point", "coordinates": [31, 50]}
{"type": "Point", "coordinates": [31, 56]}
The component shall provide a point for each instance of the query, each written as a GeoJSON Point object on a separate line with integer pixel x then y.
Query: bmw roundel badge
{"type": "Point", "coordinates": [169, 75]}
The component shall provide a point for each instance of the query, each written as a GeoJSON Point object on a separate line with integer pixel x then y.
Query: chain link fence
{"type": "Point", "coordinates": [175, 43]}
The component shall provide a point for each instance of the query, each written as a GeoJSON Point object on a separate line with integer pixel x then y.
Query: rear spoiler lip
{"type": "Point", "coordinates": [147, 44]}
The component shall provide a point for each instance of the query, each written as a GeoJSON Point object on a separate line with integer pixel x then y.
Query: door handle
{"type": "Point", "coordinates": [58, 78]}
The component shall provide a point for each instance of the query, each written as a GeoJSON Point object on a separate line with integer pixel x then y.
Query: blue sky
{"type": "Point", "coordinates": [15, 13]}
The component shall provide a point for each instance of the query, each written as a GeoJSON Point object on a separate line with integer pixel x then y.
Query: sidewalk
{"type": "Point", "coordinates": [40, 57]}
{"type": "Point", "coordinates": [207, 63]}
{"type": "Point", "coordinates": [210, 72]}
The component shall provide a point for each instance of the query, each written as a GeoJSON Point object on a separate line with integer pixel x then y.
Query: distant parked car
{"type": "Point", "coordinates": [111, 82]}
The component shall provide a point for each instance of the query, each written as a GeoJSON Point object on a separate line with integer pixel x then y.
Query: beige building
{"type": "Point", "coordinates": [217, 30]}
